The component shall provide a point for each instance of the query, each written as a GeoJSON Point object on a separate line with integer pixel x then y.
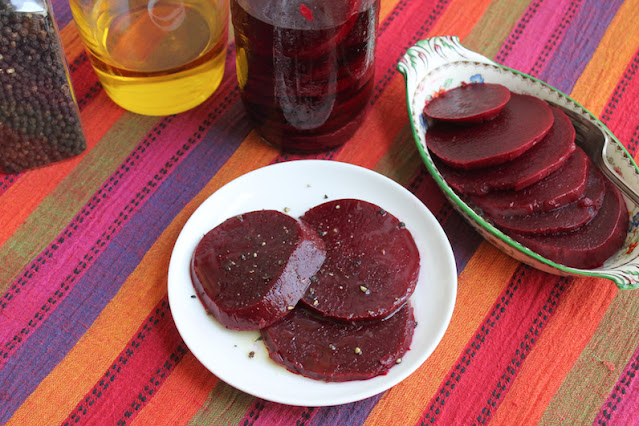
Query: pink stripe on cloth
{"type": "Point", "coordinates": [490, 362]}
{"type": "Point", "coordinates": [620, 408]}
{"type": "Point", "coordinates": [536, 34]}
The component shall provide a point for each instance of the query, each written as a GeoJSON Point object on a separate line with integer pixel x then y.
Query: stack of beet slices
{"type": "Point", "coordinates": [514, 157]}
{"type": "Point", "coordinates": [329, 291]}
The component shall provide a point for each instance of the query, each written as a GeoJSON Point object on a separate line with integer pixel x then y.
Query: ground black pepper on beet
{"type": "Point", "coordinates": [39, 121]}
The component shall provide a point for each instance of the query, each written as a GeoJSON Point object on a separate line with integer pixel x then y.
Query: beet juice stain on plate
{"type": "Point", "coordinates": [305, 68]}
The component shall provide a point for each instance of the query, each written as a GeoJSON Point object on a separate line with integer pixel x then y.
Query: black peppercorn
{"type": "Point", "coordinates": [39, 120]}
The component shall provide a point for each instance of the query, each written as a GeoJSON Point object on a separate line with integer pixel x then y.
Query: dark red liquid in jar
{"type": "Point", "coordinates": [305, 68]}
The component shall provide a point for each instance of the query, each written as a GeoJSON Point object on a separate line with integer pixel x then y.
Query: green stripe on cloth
{"type": "Point", "coordinates": [495, 25]}
{"type": "Point", "coordinates": [601, 363]}
{"type": "Point", "coordinates": [63, 203]}
{"type": "Point", "coordinates": [225, 405]}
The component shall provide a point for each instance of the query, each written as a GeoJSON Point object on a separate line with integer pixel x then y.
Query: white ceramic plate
{"type": "Point", "coordinates": [293, 187]}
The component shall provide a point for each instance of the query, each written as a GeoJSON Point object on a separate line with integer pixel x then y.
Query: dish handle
{"type": "Point", "coordinates": [429, 54]}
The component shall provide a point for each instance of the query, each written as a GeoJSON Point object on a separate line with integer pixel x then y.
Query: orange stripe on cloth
{"type": "Point", "coordinates": [380, 126]}
{"type": "Point", "coordinates": [485, 277]}
{"type": "Point", "coordinates": [386, 7]}
{"type": "Point", "coordinates": [616, 49]}
{"type": "Point", "coordinates": [563, 340]}
{"type": "Point", "coordinates": [171, 403]}
{"type": "Point", "coordinates": [108, 335]}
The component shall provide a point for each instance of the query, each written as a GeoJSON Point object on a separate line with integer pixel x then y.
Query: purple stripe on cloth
{"type": "Point", "coordinates": [620, 409]}
{"type": "Point", "coordinates": [62, 12]}
{"type": "Point", "coordinates": [558, 32]}
{"type": "Point", "coordinates": [66, 323]}
{"type": "Point", "coordinates": [579, 43]}
{"type": "Point", "coordinates": [537, 35]}
{"type": "Point", "coordinates": [517, 34]}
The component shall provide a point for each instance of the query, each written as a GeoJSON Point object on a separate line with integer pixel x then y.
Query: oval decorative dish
{"type": "Point", "coordinates": [442, 63]}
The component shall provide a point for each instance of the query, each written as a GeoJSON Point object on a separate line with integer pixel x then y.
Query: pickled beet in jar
{"type": "Point", "coordinates": [305, 68]}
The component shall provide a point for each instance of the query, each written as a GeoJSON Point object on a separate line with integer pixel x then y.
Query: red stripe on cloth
{"type": "Point", "coordinates": [85, 81]}
{"type": "Point", "coordinates": [136, 375]}
{"type": "Point", "coordinates": [486, 368]}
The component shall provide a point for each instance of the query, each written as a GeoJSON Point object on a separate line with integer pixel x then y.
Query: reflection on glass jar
{"type": "Point", "coordinates": [155, 57]}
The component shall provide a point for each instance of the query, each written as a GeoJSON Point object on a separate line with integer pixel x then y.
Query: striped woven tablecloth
{"type": "Point", "coordinates": [86, 333]}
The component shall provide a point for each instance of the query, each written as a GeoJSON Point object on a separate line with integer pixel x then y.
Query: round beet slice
{"type": "Point", "coordinates": [533, 165]}
{"type": "Point", "coordinates": [566, 218]}
{"type": "Point", "coordinates": [371, 264]}
{"type": "Point", "coordinates": [523, 122]}
{"type": "Point", "coordinates": [323, 349]}
{"type": "Point", "coordinates": [469, 103]}
{"type": "Point", "coordinates": [589, 246]}
{"type": "Point", "coordinates": [559, 188]}
{"type": "Point", "coordinates": [253, 268]}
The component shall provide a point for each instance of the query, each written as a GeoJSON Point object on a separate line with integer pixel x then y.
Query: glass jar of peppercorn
{"type": "Point", "coordinates": [39, 118]}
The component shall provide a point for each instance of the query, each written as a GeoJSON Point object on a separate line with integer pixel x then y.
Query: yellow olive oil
{"type": "Point", "coordinates": [155, 57]}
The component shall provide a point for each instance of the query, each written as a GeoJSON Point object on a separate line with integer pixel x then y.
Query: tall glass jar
{"type": "Point", "coordinates": [305, 68]}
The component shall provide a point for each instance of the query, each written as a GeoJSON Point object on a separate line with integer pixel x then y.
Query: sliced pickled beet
{"type": "Point", "coordinates": [559, 188]}
{"type": "Point", "coordinates": [253, 268]}
{"type": "Point", "coordinates": [323, 349]}
{"type": "Point", "coordinates": [523, 122]}
{"type": "Point", "coordinates": [590, 245]}
{"type": "Point", "coordinates": [533, 165]}
{"type": "Point", "coordinates": [469, 103]}
{"type": "Point", "coordinates": [371, 264]}
{"type": "Point", "coordinates": [566, 218]}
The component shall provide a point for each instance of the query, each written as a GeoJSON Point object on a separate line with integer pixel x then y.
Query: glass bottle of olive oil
{"type": "Point", "coordinates": [155, 57]}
